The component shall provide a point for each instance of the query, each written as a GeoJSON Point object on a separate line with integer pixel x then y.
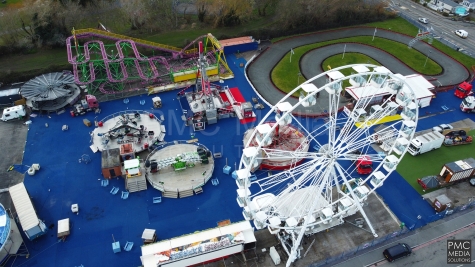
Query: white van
{"type": "Point", "coordinates": [461, 33]}
{"type": "Point", "coordinates": [13, 113]}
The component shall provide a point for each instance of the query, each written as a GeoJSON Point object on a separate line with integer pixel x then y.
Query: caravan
{"type": "Point", "coordinates": [16, 112]}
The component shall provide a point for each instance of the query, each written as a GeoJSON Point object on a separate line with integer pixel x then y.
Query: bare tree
{"type": "Point", "coordinates": [136, 12]}
{"type": "Point", "coordinates": [226, 12]}
{"type": "Point", "coordinates": [11, 35]}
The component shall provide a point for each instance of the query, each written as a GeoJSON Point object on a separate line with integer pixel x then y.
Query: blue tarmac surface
{"type": "Point", "coordinates": [63, 181]}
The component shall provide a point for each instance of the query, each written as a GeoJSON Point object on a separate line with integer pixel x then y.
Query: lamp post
{"type": "Point", "coordinates": [427, 58]}
{"type": "Point", "coordinates": [298, 77]}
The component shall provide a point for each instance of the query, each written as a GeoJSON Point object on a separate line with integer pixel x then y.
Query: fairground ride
{"type": "Point", "coordinates": [116, 65]}
{"type": "Point", "coordinates": [322, 187]}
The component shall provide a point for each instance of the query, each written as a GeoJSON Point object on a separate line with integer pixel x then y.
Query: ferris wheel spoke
{"type": "Point", "coordinates": [288, 154]}
{"type": "Point", "coordinates": [319, 185]}
{"type": "Point", "coordinates": [295, 176]}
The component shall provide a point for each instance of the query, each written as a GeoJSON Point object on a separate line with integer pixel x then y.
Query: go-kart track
{"type": "Point", "coordinates": [259, 71]}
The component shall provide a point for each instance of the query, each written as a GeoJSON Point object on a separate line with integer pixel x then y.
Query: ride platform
{"type": "Point", "coordinates": [137, 127]}
{"type": "Point", "coordinates": [183, 176]}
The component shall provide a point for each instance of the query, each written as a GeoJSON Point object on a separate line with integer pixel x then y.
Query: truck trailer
{"type": "Point", "coordinates": [457, 137]}
{"type": "Point", "coordinates": [451, 173]}
{"type": "Point", "coordinates": [426, 142]}
{"type": "Point", "coordinates": [32, 226]}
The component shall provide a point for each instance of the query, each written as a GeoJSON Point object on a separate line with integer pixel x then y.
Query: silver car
{"type": "Point", "coordinates": [442, 127]}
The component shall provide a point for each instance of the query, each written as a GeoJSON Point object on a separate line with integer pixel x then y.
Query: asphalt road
{"type": "Point", "coordinates": [429, 245]}
{"type": "Point", "coordinates": [442, 26]}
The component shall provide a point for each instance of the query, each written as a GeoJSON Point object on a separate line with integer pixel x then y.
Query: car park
{"type": "Point", "coordinates": [461, 33]}
{"type": "Point", "coordinates": [442, 127]}
{"type": "Point", "coordinates": [423, 20]}
{"type": "Point", "coordinates": [397, 251]}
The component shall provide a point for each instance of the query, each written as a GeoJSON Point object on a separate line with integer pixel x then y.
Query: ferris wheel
{"type": "Point", "coordinates": [321, 183]}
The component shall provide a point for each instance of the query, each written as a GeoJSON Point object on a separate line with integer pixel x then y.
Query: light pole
{"type": "Point", "coordinates": [427, 58]}
{"type": "Point", "coordinates": [298, 77]}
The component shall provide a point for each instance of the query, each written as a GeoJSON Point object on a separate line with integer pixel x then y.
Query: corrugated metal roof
{"type": "Point", "coordinates": [48, 86]}
{"type": "Point", "coordinates": [9, 92]}
{"type": "Point", "coordinates": [23, 206]}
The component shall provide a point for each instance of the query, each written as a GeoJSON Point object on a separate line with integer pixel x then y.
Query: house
{"type": "Point", "coordinates": [468, 4]}
{"type": "Point", "coordinates": [445, 5]}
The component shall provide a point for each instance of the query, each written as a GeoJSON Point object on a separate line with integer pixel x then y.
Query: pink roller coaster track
{"type": "Point", "coordinates": [120, 57]}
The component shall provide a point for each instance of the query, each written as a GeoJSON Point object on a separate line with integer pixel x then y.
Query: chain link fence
{"type": "Point", "coordinates": [408, 230]}
{"type": "Point", "coordinates": [436, 35]}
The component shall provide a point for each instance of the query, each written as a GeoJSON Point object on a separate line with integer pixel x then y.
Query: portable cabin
{"type": "Point", "coordinates": [458, 170]}
{"type": "Point", "coordinates": [16, 112]}
{"type": "Point", "coordinates": [111, 166]}
{"type": "Point", "coordinates": [442, 203]}
{"type": "Point", "coordinates": [32, 226]}
{"type": "Point", "coordinates": [132, 168]}
{"type": "Point", "coordinates": [127, 151]}
{"type": "Point", "coordinates": [10, 94]}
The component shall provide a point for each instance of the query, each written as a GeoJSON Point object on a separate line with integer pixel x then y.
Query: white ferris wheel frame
{"type": "Point", "coordinates": [324, 178]}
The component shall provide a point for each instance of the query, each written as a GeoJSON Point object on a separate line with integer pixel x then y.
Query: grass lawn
{"type": "Point", "coordinates": [401, 25]}
{"type": "Point", "coordinates": [410, 167]}
{"type": "Point", "coordinates": [11, 3]}
{"type": "Point", "coordinates": [284, 73]}
{"type": "Point", "coordinates": [347, 59]}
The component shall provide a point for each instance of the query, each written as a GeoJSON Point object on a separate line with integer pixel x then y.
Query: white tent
{"type": "Point", "coordinates": [421, 87]}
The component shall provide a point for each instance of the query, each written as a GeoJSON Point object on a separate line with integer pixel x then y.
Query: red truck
{"type": "Point", "coordinates": [463, 90]}
{"type": "Point", "coordinates": [85, 105]}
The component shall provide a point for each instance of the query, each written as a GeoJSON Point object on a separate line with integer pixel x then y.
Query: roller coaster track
{"type": "Point", "coordinates": [113, 36]}
{"type": "Point", "coordinates": [107, 60]}
{"type": "Point", "coordinates": [86, 69]}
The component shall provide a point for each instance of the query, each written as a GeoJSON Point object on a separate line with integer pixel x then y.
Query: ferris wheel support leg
{"type": "Point", "coordinates": [366, 219]}
{"type": "Point", "coordinates": [356, 198]}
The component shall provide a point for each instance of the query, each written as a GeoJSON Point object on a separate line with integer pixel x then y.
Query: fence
{"type": "Point", "coordinates": [436, 35]}
{"type": "Point", "coordinates": [457, 211]}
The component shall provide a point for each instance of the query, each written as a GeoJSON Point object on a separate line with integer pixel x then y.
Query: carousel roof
{"type": "Point", "coordinates": [48, 86]}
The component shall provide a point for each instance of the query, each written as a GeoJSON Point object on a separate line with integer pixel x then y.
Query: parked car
{"type": "Point", "coordinates": [461, 33]}
{"type": "Point", "coordinates": [472, 181]}
{"type": "Point", "coordinates": [423, 20]}
{"type": "Point", "coordinates": [396, 252]}
{"type": "Point", "coordinates": [442, 127]}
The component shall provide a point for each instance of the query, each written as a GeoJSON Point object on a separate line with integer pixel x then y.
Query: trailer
{"type": "Point", "coordinates": [200, 247]}
{"type": "Point", "coordinates": [32, 226]}
{"type": "Point", "coordinates": [451, 173]}
{"type": "Point", "coordinates": [425, 143]}
{"type": "Point", "coordinates": [455, 137]}
{"type": "Point", "coordinates": [16, 112]}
